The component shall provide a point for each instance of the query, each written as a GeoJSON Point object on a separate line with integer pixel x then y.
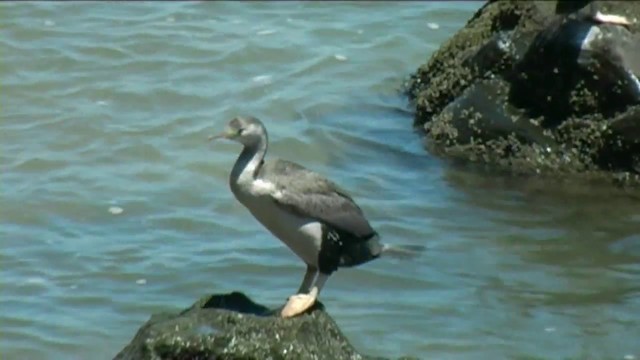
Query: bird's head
{"type": "Point", "coordinates": [246, 130]}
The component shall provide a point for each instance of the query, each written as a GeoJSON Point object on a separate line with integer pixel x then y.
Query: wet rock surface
{"type": "Point", "coordinates": [232, 326]}
{"type": "Point", "coordinates": [537, 87]}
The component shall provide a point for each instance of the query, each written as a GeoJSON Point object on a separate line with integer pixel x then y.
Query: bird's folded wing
{"type": "Point", "coordinates": [309, 194]}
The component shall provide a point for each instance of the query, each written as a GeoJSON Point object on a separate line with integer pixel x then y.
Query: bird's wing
{"type": "Point", "coordinates": [309, 194]}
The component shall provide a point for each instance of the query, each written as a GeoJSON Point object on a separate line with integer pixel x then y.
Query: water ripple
{"type": "Point", "coordinates": [115, 206]}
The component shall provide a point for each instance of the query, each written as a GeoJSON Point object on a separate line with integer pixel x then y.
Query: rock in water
{"type": "Point", "coordinates": [232, 326]}
{"type": "Point", "coordinates": [538, 86]}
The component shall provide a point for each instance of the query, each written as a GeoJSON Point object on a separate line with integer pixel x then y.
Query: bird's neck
{"type": "Point", "coordinates": [248, 164]}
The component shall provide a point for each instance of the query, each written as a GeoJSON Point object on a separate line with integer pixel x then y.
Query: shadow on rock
{"type": "Point", "coordinates": [538, 86]}
{"type": "Point", "coordinates": [232, 326]}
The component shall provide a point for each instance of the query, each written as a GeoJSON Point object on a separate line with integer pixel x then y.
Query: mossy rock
{"type": "Point", "coordinates": [232, 326]}
{"type": "Point", "coordinates": [537, 86]}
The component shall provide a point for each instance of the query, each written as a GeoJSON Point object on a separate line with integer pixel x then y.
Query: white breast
{"type": "Point", "coordinates": [302, 236]}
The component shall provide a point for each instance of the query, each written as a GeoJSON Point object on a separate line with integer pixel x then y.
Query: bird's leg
{"type": "Point", "coordinates": [309, 276]}
{"type": "Point", "coordinates": [300, 303]}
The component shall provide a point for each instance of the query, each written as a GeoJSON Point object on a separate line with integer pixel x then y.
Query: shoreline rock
{"type": "Point", "coordinates": [537, 88]}
{"type": "Point", "coordinates": [232, 326]}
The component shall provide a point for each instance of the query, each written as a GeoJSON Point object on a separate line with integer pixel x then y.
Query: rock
{"type": "Point", "coordinates": [232, 326]}
{"type": "Point", "coordinates": [537, 86]}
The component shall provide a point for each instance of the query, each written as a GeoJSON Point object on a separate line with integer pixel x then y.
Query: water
{"type": "Point", "coordinates": [115, 206]}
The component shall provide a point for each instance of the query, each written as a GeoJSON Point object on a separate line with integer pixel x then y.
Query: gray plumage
{"type": "Point", "coordinates": [309, 194]}
{"type": "Point", "coordinates": [312, 215]}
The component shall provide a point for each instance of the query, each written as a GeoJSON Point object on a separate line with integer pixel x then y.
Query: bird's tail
{"type": "Point", "coordinates": [402, 252]}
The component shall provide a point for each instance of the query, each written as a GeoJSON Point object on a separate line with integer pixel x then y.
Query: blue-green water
{"type": "Point", "coordinates": [115, 207]}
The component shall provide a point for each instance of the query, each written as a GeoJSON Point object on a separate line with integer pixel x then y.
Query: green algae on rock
{"type": "Point", "coordinates": [534, 87]}
{"type": "Point", "coordinates": [232, 326]}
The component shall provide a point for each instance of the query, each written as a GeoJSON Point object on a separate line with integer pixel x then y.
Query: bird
{"type": "Point", "coordinates": [312, 215]}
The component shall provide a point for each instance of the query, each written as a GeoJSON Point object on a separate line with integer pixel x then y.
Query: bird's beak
{"type": "Point", "coordinates": [223, 135]}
